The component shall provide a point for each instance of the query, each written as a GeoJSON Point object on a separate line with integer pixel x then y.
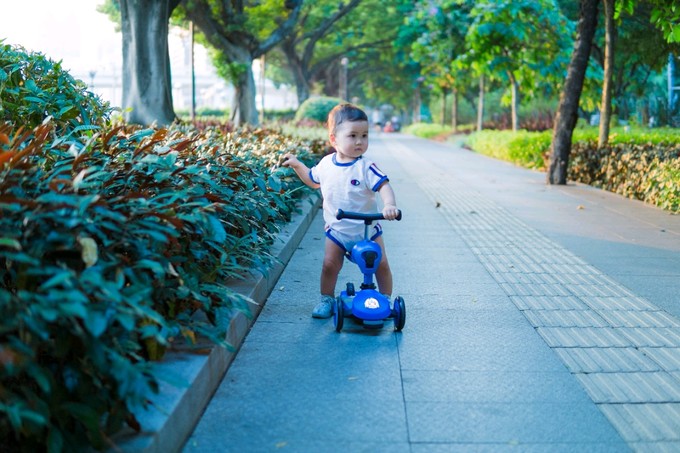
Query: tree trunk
{"type": "Point", "coordinates": [416, 105]}
{"type": "Point", "coordinates": [567, 112]}
{"type": "Point", "coordinates": [243, 108]}
{"type": "Point", "coordinates": [302, 88]}
{"type": "Point", "coordinates": [606, 106]}
{"type": "Point", "coordinates": [225, 29]}
{"type": "Point", "coordinates": [443, 111]}
{"type": "Point", "coordinates": [147, 86]}
{"type": "Point", "coordinates": [302, 85]}
{"type": "Point", "coordinates": [454, 110]}
{"type": "Point", "coordinates": [480, 105]}
{"type": "Point", "coordinates": [515, 103]}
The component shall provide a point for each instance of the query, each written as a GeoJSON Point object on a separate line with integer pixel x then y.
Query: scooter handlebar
{"type": "Point", "coordinates": [361, 216]}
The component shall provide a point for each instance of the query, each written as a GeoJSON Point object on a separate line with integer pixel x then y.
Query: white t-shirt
{"type": "Point", "coordinates": [348, 186]}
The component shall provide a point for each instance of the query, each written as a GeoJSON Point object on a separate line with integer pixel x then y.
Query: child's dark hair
{"type": "Point", "coordinates": [342, 113]}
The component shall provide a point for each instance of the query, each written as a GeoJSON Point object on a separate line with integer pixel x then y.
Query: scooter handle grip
{"type": "Point", "coordinates": [361, 216]}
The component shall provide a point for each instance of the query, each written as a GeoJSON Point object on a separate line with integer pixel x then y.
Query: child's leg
{"type": "Point", "coordinates": [384, 274]}
{"type": "Point", "coordinates": [332, 263]}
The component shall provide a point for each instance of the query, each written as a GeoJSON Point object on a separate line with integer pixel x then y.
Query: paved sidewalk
{"type": "Point", "coordinates": [538, 319]}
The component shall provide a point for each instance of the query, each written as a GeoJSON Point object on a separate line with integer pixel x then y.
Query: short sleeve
{"type": "Point", "coordinates": [314, 174]}
{"type": "Point", "coordinates": [374, 177]}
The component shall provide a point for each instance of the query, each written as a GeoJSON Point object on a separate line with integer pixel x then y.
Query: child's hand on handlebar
{"type": "Point", "coordinates": [390, 212]}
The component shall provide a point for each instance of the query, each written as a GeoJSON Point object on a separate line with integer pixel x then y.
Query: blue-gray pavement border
{"type": "Point", "coordinates": [193, 376]}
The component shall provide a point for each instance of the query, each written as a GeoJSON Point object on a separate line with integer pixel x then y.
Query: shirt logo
{"type": "Point", "coordinates": [355, 182]}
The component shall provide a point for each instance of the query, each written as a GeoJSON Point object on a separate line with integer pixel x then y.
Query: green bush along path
{"type": "Point", "coordinates": [539, 318]}
{"type": "Point", "coordinates": [117, 244]}
{"type": "Point", "coordinates": [643, 164]}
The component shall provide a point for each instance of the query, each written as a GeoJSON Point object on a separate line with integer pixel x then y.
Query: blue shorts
{"type": "Point", "coordinates": [346, 242]}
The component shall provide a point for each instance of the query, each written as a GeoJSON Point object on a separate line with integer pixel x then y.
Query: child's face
{"type": "Point", "coordinates": [350, 140]}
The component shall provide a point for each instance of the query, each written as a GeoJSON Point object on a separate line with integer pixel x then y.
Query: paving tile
{"type": "Point", "coordinates": [524, 447]}
{"type": "Point", "coordinates": [475, 356]}
{"type": "Point", "coordinates": [265, 443]}
{"type": "Point", "coordinates": [548, 303]}
{"type": "Point", "coordinates": [606, 360]}
{"type": "Point", "coordinates": [654, 447]}
{"type": "Point", "coordinates": [645, 422]}
{"type": "Point", "coordinates": [258, 425]}
{"type": "Point", "coordinates": [572, 279]}
{"type": "Point", "coordinates": [584, 337]}
{"type": "Point", "coordinates": [456, 318]}
{"type": "Point", "coordinates": [667, 358]}
{"type": "Point", "coordinates": [320, 331]}
{"type": "Point", "coordinates": [648, 387]}
{"type": "Point", "coordinates": [422, 300]}
{"type": "Point", "coordinates": [492, 387]}
{"type": "Point", "coordinates": [676, 375]}
{"type": "Point", "coordinates": [652, 337]}
{"type": "Point", "coordinates": [619, 303]}
{"type": "Point", "coordinates": [637, 318]}
{"type": "Point", "coordinates": [594, 290]}
{"type": "Point", "coordinates": [564, 318]}
{"type": "Point", "coordinates": [268, 370]}
{"type": "Point", "coordinates": [508, 423]}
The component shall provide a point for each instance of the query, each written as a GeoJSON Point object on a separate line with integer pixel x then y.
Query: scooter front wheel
{"type": "Point", "coordinates": [339, 314]}
{"type": "Point", "coordinates": [399, 313]}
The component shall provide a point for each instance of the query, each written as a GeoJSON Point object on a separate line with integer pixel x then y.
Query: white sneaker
{"type": "Point", "coordinates": [324, 309]}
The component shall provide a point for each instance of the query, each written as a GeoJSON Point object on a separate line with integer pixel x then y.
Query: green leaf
{"type": "Point", "coordinates": [96, 322]}
{"type": "Point", "coordinates": [57, 280]}
{"type": "Point", "coordinates": [55, 440]}
{"type": "Point", "coordinates": [154, 266]}
{"type": "Point", "coordinates": [216, 231]}
{"type": "Point", "coordinates": [11, 243]}
{"type": "Point", "coordinates": [261, 184]}
{"type": "Point", "coordinates": [85, 414]}
{"type": "Point", "coordinates": [274, 183]}
{"type": "Point", "coordinates": [73, 308]}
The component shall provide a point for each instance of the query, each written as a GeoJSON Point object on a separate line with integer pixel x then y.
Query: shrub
{"type": "Point", "coordinates": [647, 172]}
{"type": "Point", "coordinates": [32, 87]}
{"type": "Point", "coordinates": [528, 149]}
{"type": "Point", "coordinates": [113, 239]}
{"type": "Point", "coordinates": [427, 130]}
{"type": "Point", "coordinates": [110, 246]}
{"type": "Point", "coordinates": [317, 108]}
{"type": "Point", "coordinates": [279, 115]}
{"type": "Point", "coordinates": [638, 163]}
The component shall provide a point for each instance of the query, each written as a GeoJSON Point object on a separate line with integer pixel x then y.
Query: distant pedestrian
{"type": "Point", "coordinates": [376, 117]}
{"type": "Point", "coordinates": [348, 181]}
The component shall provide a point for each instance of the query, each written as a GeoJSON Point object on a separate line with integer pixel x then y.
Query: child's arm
{"type": "Point", "coordinates": [300, 169]}
{"type": "Point", "coordinates": [390, 210]}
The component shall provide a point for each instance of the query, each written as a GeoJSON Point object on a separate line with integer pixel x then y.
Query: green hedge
{"type": "Point", "coordinates": [114, 240]}
{"type": "Point", "coordinates": [523, 148]}
{"type": "Point", "coordinates": [427, 130]}
{"type": "Point", "coordinates": [649, 172]}
{"type": "Point", "coordinates": [641, 163]}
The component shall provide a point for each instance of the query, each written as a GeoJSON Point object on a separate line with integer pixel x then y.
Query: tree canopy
{"type": "Point", "coordinates": [427, 46]}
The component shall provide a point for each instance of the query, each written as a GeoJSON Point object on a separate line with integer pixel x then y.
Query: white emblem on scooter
{"type": "Point", "coordinates": [372, 303]}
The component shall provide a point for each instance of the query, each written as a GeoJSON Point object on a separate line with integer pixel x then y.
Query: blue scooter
{"type": "Point", "coordinates": [367, 306]}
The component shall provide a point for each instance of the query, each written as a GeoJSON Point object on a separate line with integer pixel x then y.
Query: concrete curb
{"type": "Point", "coordinates": [177, 408]}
